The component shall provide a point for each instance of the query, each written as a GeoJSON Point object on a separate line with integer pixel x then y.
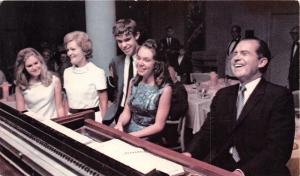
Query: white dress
{"type": "Point", "coordinates": [40, 99]}
{"type": "Point", "coordinates": [82, 85]}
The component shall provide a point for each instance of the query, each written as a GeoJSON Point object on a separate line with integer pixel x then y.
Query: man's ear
{"type": "Point", "coordinates": [137, 36]}
{"type": "Point", "coordinates": [262, 62]}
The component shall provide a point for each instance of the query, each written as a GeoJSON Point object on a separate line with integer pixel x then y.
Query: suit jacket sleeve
{"type": "Point", "coordinates": [118, 68]}
{"type": "Point", "coordinates": [280, 135]}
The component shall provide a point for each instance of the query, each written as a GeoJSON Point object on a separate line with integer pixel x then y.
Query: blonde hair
{"type": "Point", "coordinates": [21, 74]}
{"type": "Point", "coordinates": [82, 40]}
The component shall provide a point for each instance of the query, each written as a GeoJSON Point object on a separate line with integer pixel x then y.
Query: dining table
{"type": "Point", "coordinates": [199, 102]}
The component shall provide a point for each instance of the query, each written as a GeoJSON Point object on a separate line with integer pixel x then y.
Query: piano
{"type": "Point", "coordinates": [69, 146]}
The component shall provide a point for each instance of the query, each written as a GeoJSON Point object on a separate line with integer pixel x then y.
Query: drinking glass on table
{"type": "Point", "coordinates": [203, 89]}
{"type": "Point", "coordinates": [194, 84]}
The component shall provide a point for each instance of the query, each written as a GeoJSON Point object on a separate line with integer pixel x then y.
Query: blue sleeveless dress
{"type": "Point", "coordinates": [143, 104]}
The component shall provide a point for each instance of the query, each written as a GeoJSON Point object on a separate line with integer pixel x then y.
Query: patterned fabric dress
{"type": "Point", "coordinates": [143, 104]}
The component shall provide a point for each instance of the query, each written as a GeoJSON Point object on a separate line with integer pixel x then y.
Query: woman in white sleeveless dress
{"type": "Point", "coordinates": [37, 89]}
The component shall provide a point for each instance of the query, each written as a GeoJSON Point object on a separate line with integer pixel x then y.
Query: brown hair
{"type": "Point", "coordinates": [160, 70]}
{"type": "Point", "coordinates": [125, 27]}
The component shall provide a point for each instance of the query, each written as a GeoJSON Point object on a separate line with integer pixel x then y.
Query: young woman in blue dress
{"type": "Point", "coordinates": [149, 96]}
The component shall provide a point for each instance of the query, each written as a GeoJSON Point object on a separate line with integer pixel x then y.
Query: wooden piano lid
{"type": "Point", "coordinates": [106, 133]}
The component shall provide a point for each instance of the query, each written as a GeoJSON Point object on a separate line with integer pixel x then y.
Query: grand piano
{"type": "Point", "coordinates": [74, 145]}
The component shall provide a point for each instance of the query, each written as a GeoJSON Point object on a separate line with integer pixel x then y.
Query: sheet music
{"type": "Point", "coordinates": [136, 157]}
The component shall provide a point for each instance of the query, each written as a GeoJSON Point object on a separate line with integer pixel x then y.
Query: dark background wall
{"type": "Point", "coordinates": [29, 23]}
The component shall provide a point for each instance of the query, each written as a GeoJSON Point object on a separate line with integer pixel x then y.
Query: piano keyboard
{"type": "Point", "coordinates": [120, 151]}
{"type": "Point", "coordinates": [50, 160]}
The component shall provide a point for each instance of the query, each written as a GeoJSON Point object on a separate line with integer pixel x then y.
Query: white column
{"type": "Point", "coordinates": [100, 18]}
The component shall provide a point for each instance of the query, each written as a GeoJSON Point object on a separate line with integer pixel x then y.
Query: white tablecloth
{"type": "Point", "coordinates": [199, 107]}
{"type": "Point", "coordinates": [197, 113]}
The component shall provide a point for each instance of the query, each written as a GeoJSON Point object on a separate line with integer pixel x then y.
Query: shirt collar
{"type": "Point", "coordinates": [128, 57]}
{"type": "Point", "coordinates": [250, 86]}
{"type": "Point", "coordinates": [80, 70]}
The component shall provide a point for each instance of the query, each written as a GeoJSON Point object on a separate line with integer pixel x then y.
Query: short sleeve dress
{"type": "Point", "coordinates": [81, 85]}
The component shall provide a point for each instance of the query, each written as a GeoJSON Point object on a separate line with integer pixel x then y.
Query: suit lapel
{"type": "Point", "coordinates": [232, 106]}
{"type": "Point", "coordinates": [235, 44]}
{"type": "Point", "coordinates": [181, 63]}
{"type": "Point", "coordinates": [294, 54]}
{"type": "Point", "coordinates": [166, 42]}
{"type": "Point", "coordinates": [121, 67]}
{"type": "Point", "coordinates": [252, 101]}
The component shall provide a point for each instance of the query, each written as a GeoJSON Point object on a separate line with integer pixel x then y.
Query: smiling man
{"type": "Point", "coordinates": [126, 34]}
{"type": "Point", "coordinates": [250, 130]}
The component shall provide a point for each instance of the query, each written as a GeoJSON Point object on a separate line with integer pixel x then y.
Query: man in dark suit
{"type": "Point", "coordinates": [251, 127]}
{"type": "Point", "coordinates": [236, 37]}
{"type": "Point", "coordinates": [126, 34]}
{"type": "Point", "coordinates": [169, 45]}
{"type": "Point", "coordinates": [182, 65]}
{"type": "Point", "coordinates": [294, 60]}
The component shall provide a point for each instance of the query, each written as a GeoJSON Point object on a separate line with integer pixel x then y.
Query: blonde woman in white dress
{"type": "Point", "coordinates": [37, 89]}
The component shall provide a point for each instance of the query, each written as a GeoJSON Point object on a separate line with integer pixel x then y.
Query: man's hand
{"type": "Point", "coordinates": [187, 154]}
{"type": "Point", "coordinates": [238, 172]}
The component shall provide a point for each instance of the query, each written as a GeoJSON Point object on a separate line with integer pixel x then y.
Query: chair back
{"type": "Point", "coordinates": [200, 77]}
{"type": "Point", "coordinates": [180, 123]}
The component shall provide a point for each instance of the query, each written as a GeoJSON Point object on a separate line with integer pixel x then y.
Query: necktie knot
{"type": "Point", "coordinates": [242, 89]}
